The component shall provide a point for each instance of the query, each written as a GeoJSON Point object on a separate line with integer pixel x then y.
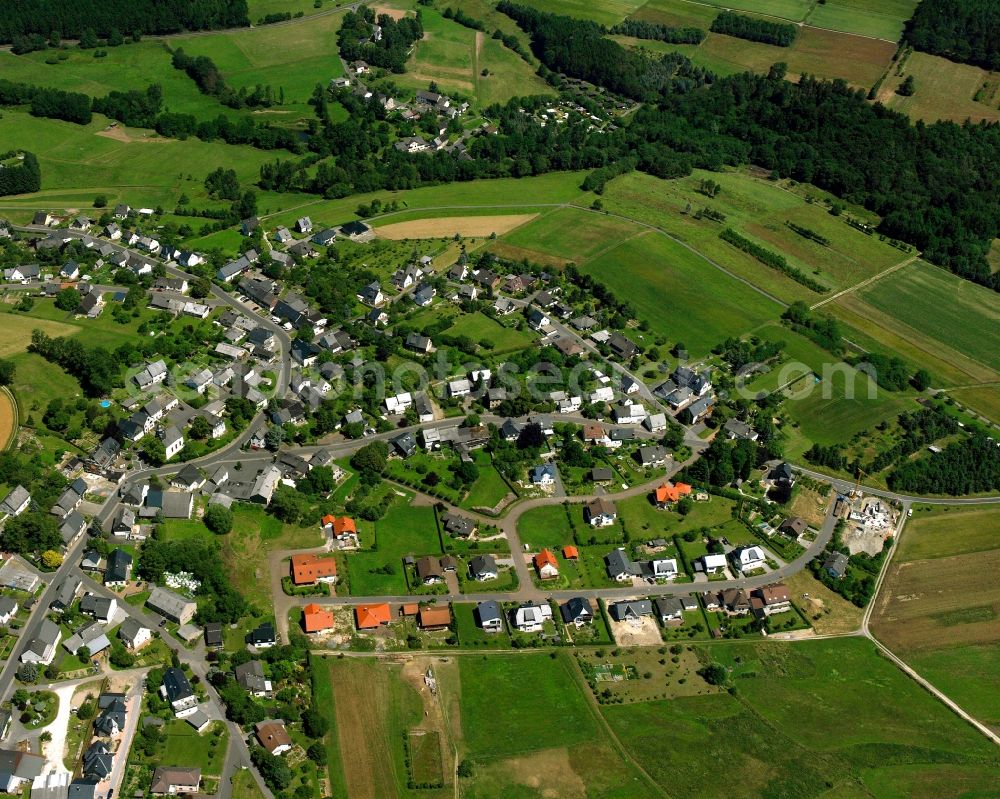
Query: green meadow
{"type": "Point", "coordinates": [682, 296]}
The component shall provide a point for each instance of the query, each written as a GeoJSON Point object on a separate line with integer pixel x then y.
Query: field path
{"type": "Point", "coordinates": [865, 282]}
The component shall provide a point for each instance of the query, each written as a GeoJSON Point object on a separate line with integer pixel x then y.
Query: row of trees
{"type": "Point", "coordinates": [754, 29]}
{"type": "Point", "coordinates": [70, 18]}
{"type": "Point", "coordinates": [641, 29]}
{"type": "Point", "coordinates": [46, 102]}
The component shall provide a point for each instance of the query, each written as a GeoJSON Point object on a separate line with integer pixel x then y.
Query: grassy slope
{"type": "Point", "coordinates": [968, 673]}
{"type": "Point", "coordinates": [812, 716]}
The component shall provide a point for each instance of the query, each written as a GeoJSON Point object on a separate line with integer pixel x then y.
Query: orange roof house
{"type": "Point", "coordinates": [668, 493]}
{"type": "Point", "coordinates": [344, 526]}
{"type": "Point", "coordinates": [409, 609]}
{"type": "Point", "coordinates": [435, 617]}
{"type": "Point", "coordinates": [368, 617]}
{"type": "Point", "coordinates": [315, 619]}
{"type": "Point", "coordinates": [328, 520]}
{"type": "Point", "coordinates": [308, 568]}
{"type": "Point", "coordinates": [571, 553]}
{"type": "Point", "coordinates": [546, 564]}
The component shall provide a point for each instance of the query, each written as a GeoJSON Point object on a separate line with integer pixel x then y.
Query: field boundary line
{"type": "Point", "coordinates": [867, 281]}
{"type": "Point", "coordinates": [901, 664]}
{"type": "Point", "coordinates": [581, 684]}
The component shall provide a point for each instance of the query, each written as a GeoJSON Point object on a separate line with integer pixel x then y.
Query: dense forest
{"type": "Point", "coordinates": [969, 466]}
{"type": "Point", "coordinates": [70, 18]}
{"type": "Point", "coordinates": [754, 29]}
{"type": "Point", "coordinates": [356, 38]}
{"type": "Point", "coordinates": [580, 49]}
{"type": "Point", "coordinates": [19, 178]}
{"type": "Point", "coordinates": [938, 190]}
{"type": "Point", "coordinates": [962, 30]}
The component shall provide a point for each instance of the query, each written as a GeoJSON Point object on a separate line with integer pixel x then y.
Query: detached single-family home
{"type": "Point", "coordinates": [531, 617]}
{"type": "Point", "coordinates": [546, 565]}
{"type": "Point", "coordinates": [667, 494]}
{"type": "Point", "coordinates": [836, 565]}
{"type": "Point", "coordinates": [669, 609]}
{"type": "Point", "coordinates": [711, 564]}
{"type": "Point", "coordinates": [746, 559]}
{"type": "Point", "coordinates": [483, 567]}
{"type": "Point", "coordinates": [632, 610]}
{"type": "Point", "coordinates": [42, 648]}
{"type": "Point", "coordinates": [101, 608]}
{"type": "Point", "coordinates": [370, 617]}
{"type": "Point", "coordinates": [793, 527]}
{"type": "Point", "coordinates": [544, 475]}
{"type": "Point", "coordinates": [577, 611]}
{"type": "Point", "coordinates": [489, 615]}
{"type": "Point", "coordinates": [262, 637]}
{"type": "Point", "coordinates": [250, 676]}
{"type": "Point", "coordinates": [652, 456]}
{"type": "Point", "coordinates": [133, 634]}
{"type": "Point", "coordinates": [172, 606]}
{"type": "Point", "coordinates": [769, 600]}
{"type": "Point", "coordinates": [174, 780]}
{"type": "Point", "coordinates": [315, 619]}
{"type": "Point", "coordinates": [309, 568]}
{"type": "Point", "coordinates": [118, 571]}
{"type": "Point", "coordinates": [273, 736]}
{"type": "Point", "coordinates": [600, 512]}
{"type": "Point", "coordinates": [16, 502]}
{"type": "Point", "coordinates": [621, 567]}
{"type": "Point", "coordinates": [8, 609]}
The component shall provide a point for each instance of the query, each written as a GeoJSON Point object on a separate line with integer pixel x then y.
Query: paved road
{"type": "Point", "coordinates": [845, 486]}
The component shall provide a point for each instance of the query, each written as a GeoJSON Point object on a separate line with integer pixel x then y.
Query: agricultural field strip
{"type": "Point", "coordinates": [800, 22]}
{"type": "Point", "coordinates": [865, 282]}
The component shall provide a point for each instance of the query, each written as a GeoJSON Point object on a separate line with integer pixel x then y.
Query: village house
{"type": "Point", "coordinates": [600, 512]}
{"type": "Point", "coordinates": [546, 565]}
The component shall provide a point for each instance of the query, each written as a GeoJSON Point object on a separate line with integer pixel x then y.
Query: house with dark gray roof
{"type": "Point", "coordinates": [631, 609]}
{"type": "Point", "coordinates": [489, 615]}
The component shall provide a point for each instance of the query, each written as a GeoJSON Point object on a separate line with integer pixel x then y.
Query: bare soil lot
{"type": "Point", "coordinates": [445, 227]}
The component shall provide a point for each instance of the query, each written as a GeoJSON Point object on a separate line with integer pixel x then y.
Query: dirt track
{"type": "Point", "coordinates": [445, 227]}
{"type": "Point", "coordinates": [8, 417]}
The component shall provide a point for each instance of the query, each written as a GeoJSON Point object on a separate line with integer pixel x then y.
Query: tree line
{"type": "Point", "coordinates": [46, 102]}
{"type": "Point", "coordinates": [22, 177]}
{"type": "Point", "coordinates": [203, 71]}
{"type": "Point", "coordinates": [753, 29]}
{"type": "Point", "coordinates": [70, 18]}
{"type": "Point", "coordinates": [640, 29]}
{"type": "Point", "coordinates": [962, 30]}
{"type": "Point", "coordinates": [969, 466]}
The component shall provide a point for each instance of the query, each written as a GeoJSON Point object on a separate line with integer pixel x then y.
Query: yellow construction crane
{"type": "Point", "coordinates": [857, 484]}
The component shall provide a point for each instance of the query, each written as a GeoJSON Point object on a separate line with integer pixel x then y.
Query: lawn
{"type": "Point", "coordinates": [37, 382]}
{"type": "Point", "coordinates": [645, 521]}
{"type": "Point", "coordinates": [489, 488]}
{"type": "Point", "coordinates": [607, 12]}
{"type": "Point", "coordinates": [479, 327]}
{"type": "Point", "coordinates": [15, 331]}
{"type": "Point", "coordinates": [915, 297]}
{"type": "Point", "coordinates": [405, 530]}
{"type": "Point", "coordinates": [470, 634]}
{"type": "Point", "coordinates": [183, 745]}
{"type": "Point", "coordinates": [551, 713]}
{"type": "Point", "coordinates": [545, 526]}
{"type": "Point", "coordinates": [805, 718]}
{"type": "Point", "coordinates": [245, 786]}
{"type": "Point", "coordinates": [682, 296]}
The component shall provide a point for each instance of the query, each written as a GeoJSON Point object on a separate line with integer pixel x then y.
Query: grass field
{"type": "Point", "coordinates": [683, 296]}
{"type": "Point", "coordinates": [77, 163]}
{"type": "Point", "coordinates": [551, 713]}
{"type": "Point", "coordinates": [808, 719]}
{"type": "Point", "coordinates": [479, 327]}
{"type": "Point", "coordinates": [15, 331]}
{"type": "Point", "coordinates": [36, 382]}
{"type": "Point", "coordinates": [828, 612]}
{"type": "Point", "coordinates": [292, 58]}
{"type": "Point", "coordinates": [607, 12]}
{"type": "Point", "coordinates": [914, 297]}
{"type": "Point", "coordinates": [489, 489]}
{"type": "Point", "coordinates": [944, 90]}
{"type": "Point", "coordinates": [759, 209]}
{"type": "Point", "coordinates": [405, 530]}
{"type": "Point", "coordinates": [984, 400]}
{"type": "Point", "coordinates": [939, 605]}
{"type": "Point", "coordinates": [555, 187]}
{"type": "Point", "coordinates": [883, 19]}
{"type": "Point", "coordinates": [372, 708]}
{"type": "Point", "coordinates": [570, 235]}
{"type": "Point", "coordinates": [456, 57]}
